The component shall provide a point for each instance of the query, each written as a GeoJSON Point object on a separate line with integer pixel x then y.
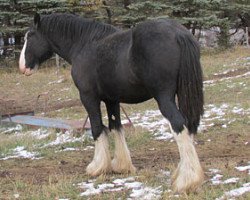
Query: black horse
{"type": "Point", "coordinates": [157, 59]}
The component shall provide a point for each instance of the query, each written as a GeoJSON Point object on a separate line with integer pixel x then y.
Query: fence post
{"type": "Point", "coordinates": [247, 37]}
{"type": "Point", "coordinates": [57, 64]}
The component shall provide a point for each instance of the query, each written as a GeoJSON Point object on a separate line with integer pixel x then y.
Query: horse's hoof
{"type": "Point", "coordinates": [122, 168]}
{"type": "Point", "coordinates": [183, 183]}
{"type": "Point", "coordinates": [95, 170]}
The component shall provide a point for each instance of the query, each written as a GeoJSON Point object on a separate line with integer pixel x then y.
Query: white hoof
{"type": "Point", "coordinates": [187, 181]}
{"type": "Point", "coordinates": [121, 166]}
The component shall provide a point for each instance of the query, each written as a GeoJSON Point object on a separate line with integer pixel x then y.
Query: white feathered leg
{"type": "Point", "coordinates": [101, 162]}
{"type": "Point", "coordinates": [122, 162]}
{"type": "Point", "coordinates": [189, 174]}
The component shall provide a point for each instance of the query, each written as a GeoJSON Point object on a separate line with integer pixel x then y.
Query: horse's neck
{"type": "Point", "coordinates": [63, 48]}
{"type": "Point", "coordinates": [67, 47]}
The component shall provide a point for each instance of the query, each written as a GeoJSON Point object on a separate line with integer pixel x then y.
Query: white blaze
{"type": "Point", "coordinates": [22, 63]}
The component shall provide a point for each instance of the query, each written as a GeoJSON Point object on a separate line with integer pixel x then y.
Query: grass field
{"type": "Point", "coordinates": [39, 163]}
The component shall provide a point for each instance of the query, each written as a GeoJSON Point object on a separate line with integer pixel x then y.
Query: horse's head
{"type": "Point", "coordinates": [36, 49]}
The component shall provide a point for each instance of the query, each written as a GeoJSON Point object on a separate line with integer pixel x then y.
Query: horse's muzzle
{"type": "Point", "coordinates": [25, 71]}
{"type": "Point", "coordinates": [28, 71]}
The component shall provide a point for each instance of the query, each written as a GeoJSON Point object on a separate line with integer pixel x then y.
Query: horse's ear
{"type": "Point", "coordinates": [37, 20]}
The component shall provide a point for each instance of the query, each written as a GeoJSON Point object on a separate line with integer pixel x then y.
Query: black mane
{"type": "Point", "coordinates": [74, 27]}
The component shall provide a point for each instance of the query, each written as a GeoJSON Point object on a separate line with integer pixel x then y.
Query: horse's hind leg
{"type": "Point", "coordinates": [122, 162]}
{"type": "Point", "coordinates": [189, 174]}
{"type": "Point", "coordinates": [101, 162]}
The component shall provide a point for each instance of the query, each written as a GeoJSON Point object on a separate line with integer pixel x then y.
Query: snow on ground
{"type": "Point", "coordinates": [154, 122]}
{"type": "Point", "coordinates": [40, 133]}
{"type": "Point", "coordinates": [216, 113]}
{"type": "Point", "coordinates": [216, 180]}
{"type": "Point", "coordinates": [212, 82]}
{"type": "Point", "coordinates": [66, 137]}
{"type": "Point", "coordinates": [68, 149]}
{"type": "Point", "coordinates": [158, 125]}
{"type": "Point", "coordinates": [236, 192]}
{"type": "Point", "coordinates": [244, 168]}
{"type": "Point", "coordinates": [150, 119]}
{"type": "Point", "coordinates": [137, 190]}
{"type": "Point", "coordinates": [20, 152]}
{"type": "Point", "coordinates": [11, 130]}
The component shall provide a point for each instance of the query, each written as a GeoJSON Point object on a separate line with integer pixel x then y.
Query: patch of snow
{"type": "Point", "coordinates": [214, 171]}
{"type": "Point", "coordinates": [231, 180]}
{"type": "Point", "coordinates": [40, 133]}
{"type": "Point", "coordinates": [62, 138]}
{"type": "Point", "coordinates": [57, 81]}
{"type": "Point", "coordinates": [88, 148]}
{"type": "Point", "coordinates": [65, 89]}
{"type": "Point", "coordinates": [211, 82]}
{"type": "Point", "coordinates": [159, 126]}
{"type": "Point", "coordinates": [244, 168]}
{"type": "Point", "coordinates": [236, 192]}
{"type": "Point", "coordinates": [105, 186]}
{"type": "Point", "coordinates": [166, 173]}
{"type": "Point", "coordinates": [138, 189]}
{"type": "Point", "coordinates": [164, 136]}
{"type": "Point", "coordinates": [68, 149]}
{"type": "Point", "coordinates": [224, 126]}
{"type": "Point", "coordinates": [20, 152]}
{"type": "Point", "coordinates": [216, 112]}
{"type": "Point", "coordinates": [131, 185]}
{"type": "Point", "coordinates": [18, 128]}
{"type": "Point", "coordinates": [146, 193]}
{"type": "Point", "coordinates": [154, 122]}
{"type": "Point", "coordinates": [216, 180]}
{"type": "Point", "coordinates": [122, 181]}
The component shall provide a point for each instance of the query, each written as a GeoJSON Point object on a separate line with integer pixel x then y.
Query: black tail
{"type": "Point", "coordinates": [190, 84]}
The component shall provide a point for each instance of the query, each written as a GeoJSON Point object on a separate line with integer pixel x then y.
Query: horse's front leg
{"type": "Point", "coordinates": [122, 162]}
{"type": "Point", "coordinates": [101, 162]}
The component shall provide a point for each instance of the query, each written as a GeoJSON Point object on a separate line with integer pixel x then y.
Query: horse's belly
{"type": "Point", "coordinates": [131, 95]}
{"type": "Point", "coordinates": [125, 94]}
{"type": "Point", "coordinates": [134, 99]}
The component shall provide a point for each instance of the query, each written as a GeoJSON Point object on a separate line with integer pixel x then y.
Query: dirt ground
{"type": "Point", "coordinates": [221, 148]}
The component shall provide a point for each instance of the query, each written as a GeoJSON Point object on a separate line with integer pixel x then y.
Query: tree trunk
{"type": "Point", "coordinates": [126, 3]}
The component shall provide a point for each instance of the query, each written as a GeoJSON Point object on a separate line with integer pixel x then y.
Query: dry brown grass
{"type": "Point", "coordinates": [55, 175]}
